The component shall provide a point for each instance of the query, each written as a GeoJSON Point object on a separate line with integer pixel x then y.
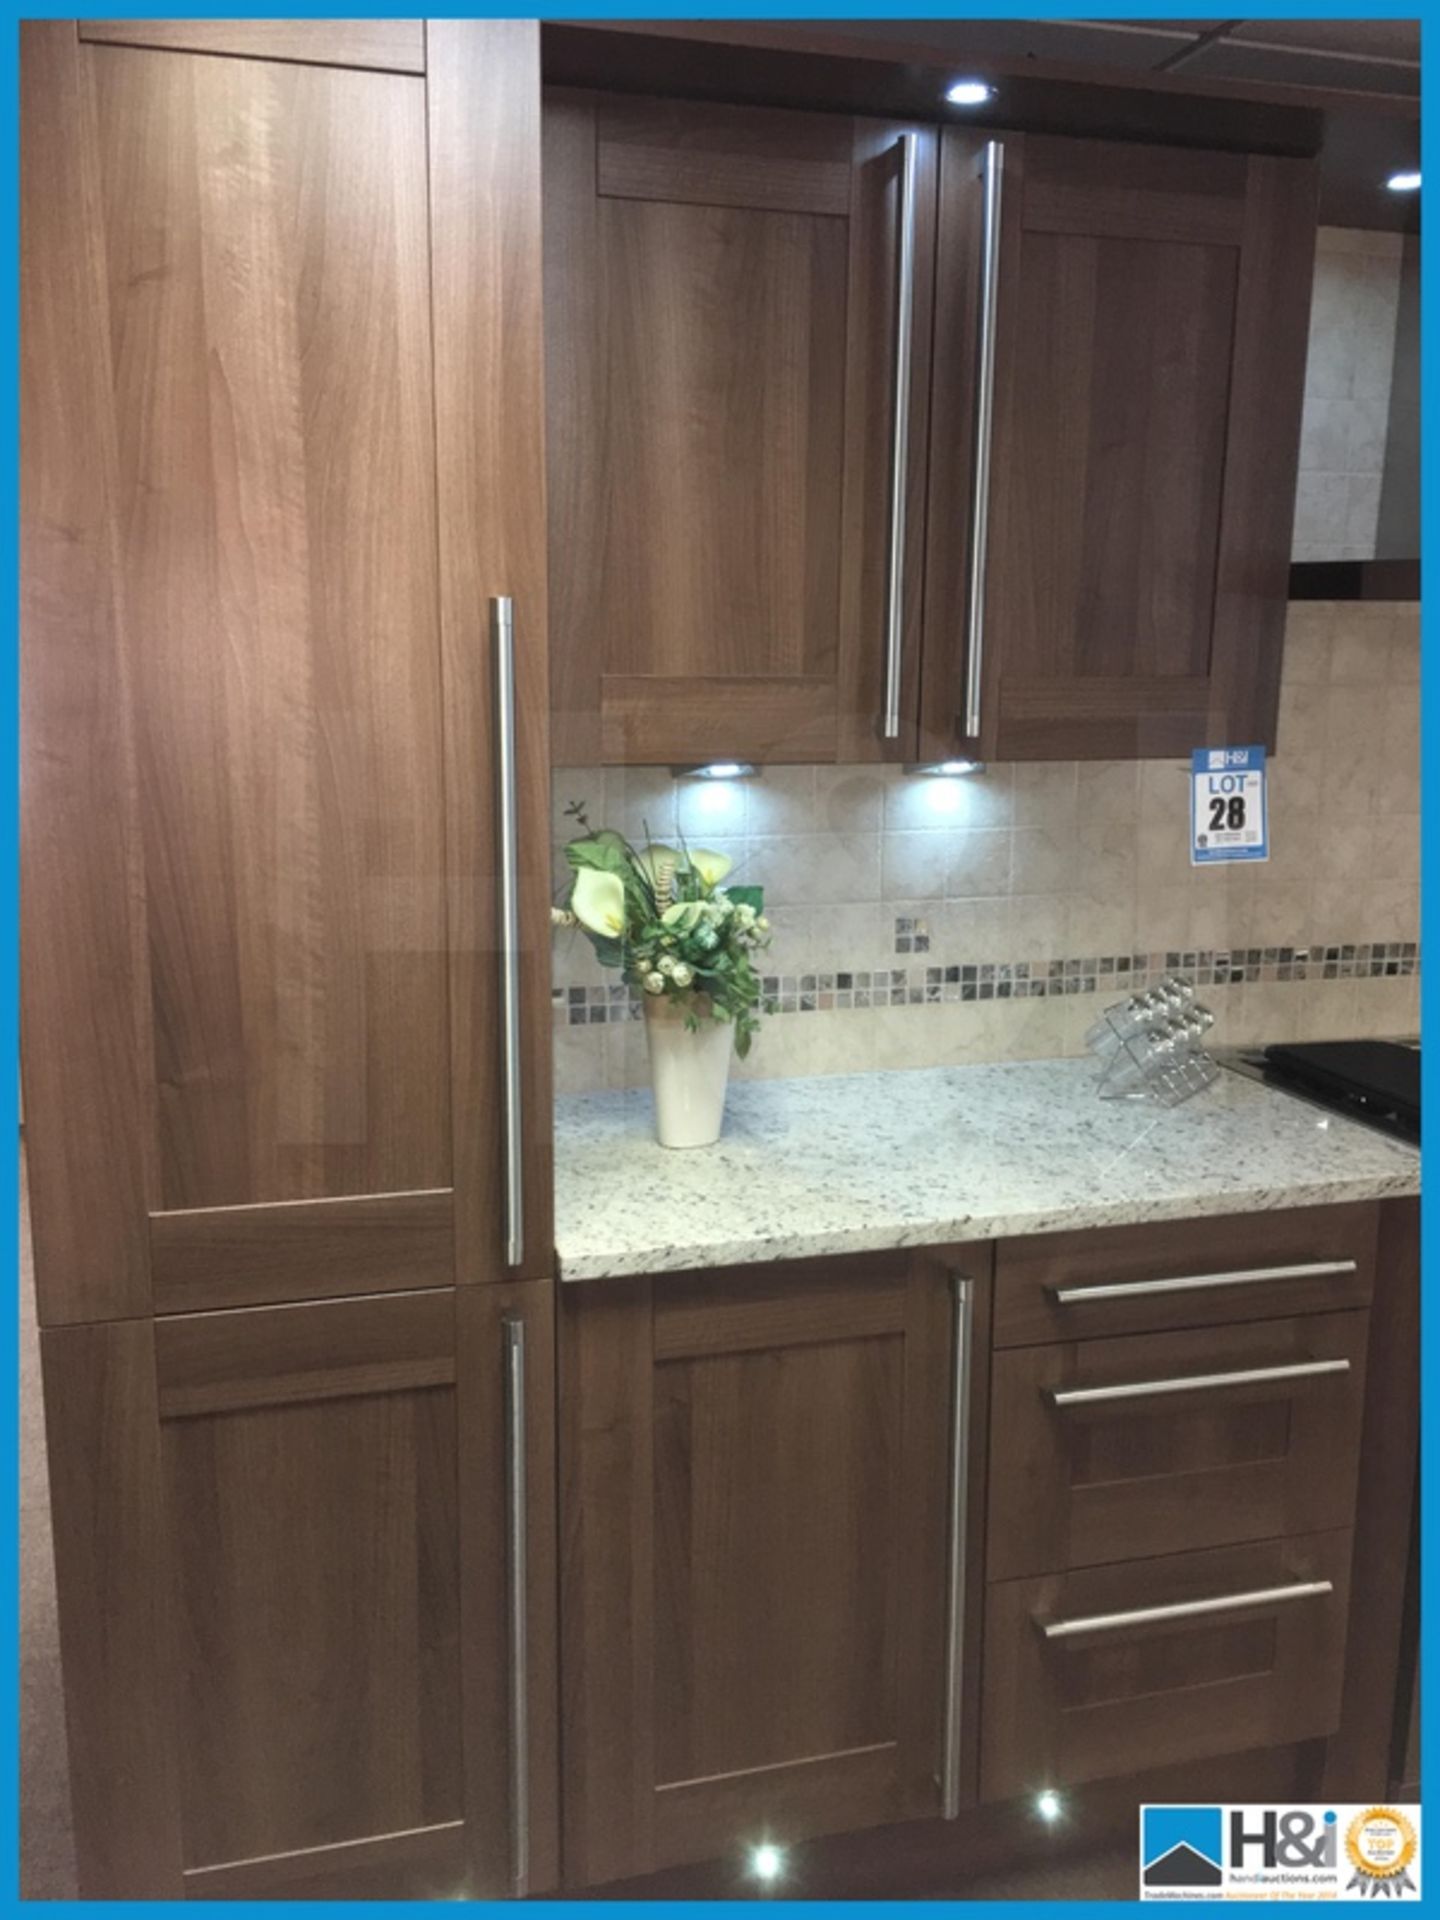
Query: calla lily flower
{"type": "Point", "coordinates": [683, 917]}
{"type": "Point", "coordinates": [598, 902]}
{"type": "Point", "coordinates": [654, 861]}
{"type": "Point", "coordinates": [711, 867]}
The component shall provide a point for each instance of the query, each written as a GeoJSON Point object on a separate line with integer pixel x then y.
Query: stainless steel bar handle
{"type": "Point", "coordinates": [1183, 1609]}
{"type": "Point", "coordinates": [992, 180]}
{"type": "Point", "coordinates": [516, 1569]}
{"type": "Point", "coordinates": [1196, 1282]}
{"type": "Point", "coordinates": [1193, 1383]}
{"type": "Point", "coordinates": [502, 629]}
{"type": "Point", "coordinates": [909, 144]}
{"type": "Point", "coordinates": [955, 1595]}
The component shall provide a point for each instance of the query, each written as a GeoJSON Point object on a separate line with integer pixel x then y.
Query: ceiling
{"type": "Point", "coordinates": [1363, 74]}
{"type": "Point", "coordinates": [1359, 56]}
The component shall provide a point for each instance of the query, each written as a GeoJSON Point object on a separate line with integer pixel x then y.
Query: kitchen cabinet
{"type": "Point", "coordinates": [734, 439]}
{"type": "Point", "coordinates": [819, 1574]}
{"type": "Point", "coordinates": [281, 1554]}
{"type": "Point", "coordinates": [285, 969]}
{"type": "Point", "coordinates": [757, 1587]}
{"type": "Point", "coordinates": [1120, 348]}
{"type": "Point", "coordinates": [1096, 464]}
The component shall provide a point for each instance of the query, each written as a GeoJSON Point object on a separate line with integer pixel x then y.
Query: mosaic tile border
{"type": "Point", "coordinates": [935, 984]}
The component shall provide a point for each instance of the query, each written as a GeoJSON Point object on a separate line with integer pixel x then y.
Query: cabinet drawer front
{"type": "Point", "coordinates": [1183, 1273]}
{"type": "Point", "coordinates": [1100, 1674]}
{"type": "Point", "coordinates": [1103, 1450]}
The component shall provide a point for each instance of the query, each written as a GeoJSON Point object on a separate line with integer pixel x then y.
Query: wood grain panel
{"type": "Point", "coordinates": [337, 1349]}
{"type": "Point", "coordinates": [1029, 1272]}
{"type": "Point", "coordinates": [753, 1511]}
{"type": "Point", "coordinates": [687, 152]}
{"type": "Point", "coordinates": [84, 988]}
{"type": "Point", "coordinates": [1076, 1487]}
{"type": "Point", "coordinates": [697, 1819]}
{"type": "Point", "coordinates": [398, 45]}
{"type": "Point", "coordinates": [265, 230]}
{"type": "Point", "coordinates": [607, 1592]}
{"type": "Point", "coordinates": [689, 719]}
{"type": "Point", "coordinates": [1386, 1517]}
{"type": "Point", "coordinates": [117, 1635]}
{"type": "Point", "coordinates": [481, 1315]}
{"type": "Point", "coordinates": [772, 1471]}
{"type": "Point", "coordinates": [318, 1590]}
{"type": "Point", "coordinates": [426, 1864]}
{"type": "Point", "coordinates": [483, 94]}
{"type": "Point", "coordinates": [1057, 1713]}
{"type": "Point", "coordinates": [1167, 194]}
{"type": "Point", "coordinates": [720, 357]}
{"type": "Point", "coordinates": [1266, 394]}
{"type": "Point", "coordinates": [248, 1256]}
{"type": "Point", "coordinates": [740, 1310]}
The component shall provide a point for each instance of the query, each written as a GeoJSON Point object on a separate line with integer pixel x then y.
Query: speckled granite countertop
{"type": "Point", "coordinates": [919, 1158]}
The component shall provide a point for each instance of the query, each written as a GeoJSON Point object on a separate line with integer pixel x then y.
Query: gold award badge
{"type": "Point", "coordinates": [1381, 1844]}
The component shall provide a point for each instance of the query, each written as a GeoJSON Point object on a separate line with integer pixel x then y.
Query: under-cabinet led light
{"type": "Point", "coordinates": [1404, 183]}
{"type": "Point", "coordinates": [767, 1862]}
{"type": "Point", "coordinates": [1049, 1806]}
{"type": "Point", "coordinates": [948, 769]}
{"type": "Point", "coordinates": [970, 93]}
{"type": "Point", "coordinates": [716, 770]}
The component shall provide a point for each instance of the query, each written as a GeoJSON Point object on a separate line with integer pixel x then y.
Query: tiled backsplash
{"type": "Point", "coordinates": [919, 921]}
{"type": "Point", "coordinates": [1347, 393]}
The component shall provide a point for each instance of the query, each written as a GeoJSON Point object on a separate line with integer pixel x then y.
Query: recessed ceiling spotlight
{"type": "Point", "coordinates": [767, 1862]}
{"type": "Point", "coordinates": [970, 93]}
{"type": "Point", "coordinates": [1404, 183]}
{"type": "Point", "coordinates": [1049, 1806]}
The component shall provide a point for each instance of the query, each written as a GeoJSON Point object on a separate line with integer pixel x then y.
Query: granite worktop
{"type": "Point", "coordinates": [910, 1159]}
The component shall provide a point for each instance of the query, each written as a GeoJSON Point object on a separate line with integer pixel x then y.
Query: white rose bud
{"type": "Point", "coordinates": [763, 924]}
{"type": "Point", "coordinates": [666, 963]}
{"type": "Point", "coordinates": [654, 983]}
{"type": "Point", "coordinates": [682, 975]}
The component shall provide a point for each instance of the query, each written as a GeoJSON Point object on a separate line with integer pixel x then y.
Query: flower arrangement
{"type": "Point", "coordinates": [664, 918]}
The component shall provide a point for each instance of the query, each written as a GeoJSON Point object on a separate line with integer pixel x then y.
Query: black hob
{"type": "Point", "coordinates": [1374, 1081]}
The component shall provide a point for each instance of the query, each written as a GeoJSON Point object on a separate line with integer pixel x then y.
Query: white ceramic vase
{"type": "Point", "coordinates": [689, 1072]}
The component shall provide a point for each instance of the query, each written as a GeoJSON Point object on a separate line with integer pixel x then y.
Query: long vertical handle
{"type": "Point", "coordinates": [502, 628]}
{"type": "Point", "coordinates": [993, 168]}
{"type": "Point", "coordinates": [909, 144]}
{"type": "Point", "coordinates": [516, 1551]}
{"type": "Point", "coordinates": [955, 1596]}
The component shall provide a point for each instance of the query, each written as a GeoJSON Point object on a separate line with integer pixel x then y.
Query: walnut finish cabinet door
{"type": "Point", "coordinates": [1120, 348]}
{"type": "Point", "coordinates": [754, 1479]}
{"type": "Point", "coordinates": [283, 446]}
{"type": "Point", "coordinates": [300, 1528]}
{"type": "Point", "coordinates": [285, 964]}
{"type": "Point", "coordinates": [737, 311]}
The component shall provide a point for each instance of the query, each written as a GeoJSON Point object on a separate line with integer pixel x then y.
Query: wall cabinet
{"type": "Point", "coordinates": [755, 1482]}
{"type": "Point", "coordinates": [1095, 460]}
{"type": "Point", "coordinates": [286, 941]}
{"type": "Point", "coordinates": [724, 295]}
{"type": "Point", "coordinates": [1109, 553]}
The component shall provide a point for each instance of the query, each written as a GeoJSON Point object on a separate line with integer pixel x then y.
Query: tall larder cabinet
{"type": "Point", "coordinates": [285, 967]}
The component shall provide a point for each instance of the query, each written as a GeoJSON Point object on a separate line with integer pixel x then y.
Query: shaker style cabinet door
{"type": "Point", "coordinates": [265, 860]}
{"type": "Point", "coordinates": [1120, 348]}
{"type": "Point", "coordinates": [754, 1475]}
{"type": "Point", "coordinates": [286, 1542]}
{"type": "Point", "coordinates": [285, 967]}
{"type": "Point", "coordinates": [738, 312]}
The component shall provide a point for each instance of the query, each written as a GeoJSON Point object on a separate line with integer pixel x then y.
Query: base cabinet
{"type": "Point", "coordinates": [754, 1510]}
{"type": "Point", "coordinates": [281, 1541]}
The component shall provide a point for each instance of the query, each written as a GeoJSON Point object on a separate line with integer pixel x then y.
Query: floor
{"type": "Point", "coordinates": [47, 1853]}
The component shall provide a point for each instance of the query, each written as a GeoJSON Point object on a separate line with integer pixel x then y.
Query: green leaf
{"type": "Point", "coordinates": [748, 897]}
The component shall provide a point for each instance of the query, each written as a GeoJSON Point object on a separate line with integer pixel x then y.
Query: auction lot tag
{"type": "Point", "coordinates": [1228, 813]}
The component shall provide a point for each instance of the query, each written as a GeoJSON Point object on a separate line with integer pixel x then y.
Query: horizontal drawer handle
{"type": "Point", "coordinates": [1193, 1382]}
{"type": "Point", "coordinates": [1183, 1609]}
{"type": "Point", "coordinates": [1197, 1282]}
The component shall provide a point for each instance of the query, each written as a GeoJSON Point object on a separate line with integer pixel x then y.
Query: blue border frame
{"type": "Point", "coordinates": [795, 10]}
